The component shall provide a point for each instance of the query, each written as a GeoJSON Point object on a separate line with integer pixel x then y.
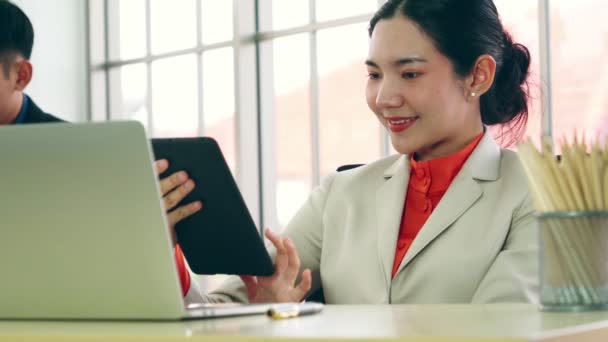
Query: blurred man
{"type": "Point", "coordinates": [16, 41]}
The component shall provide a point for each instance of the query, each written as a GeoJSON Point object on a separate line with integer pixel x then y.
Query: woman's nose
{"type": "Point", "coordinates": [389, 96]}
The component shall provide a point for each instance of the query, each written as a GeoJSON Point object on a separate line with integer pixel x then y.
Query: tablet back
{"type": "Point", "coordinates": [222, 237]}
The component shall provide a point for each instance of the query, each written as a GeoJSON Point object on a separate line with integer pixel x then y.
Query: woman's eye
{"type": "Point", "coordinates": [410, 75]}
{"type": "Point", "coordinates": [373, 75]}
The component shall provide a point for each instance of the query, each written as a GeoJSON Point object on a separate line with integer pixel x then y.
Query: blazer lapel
{"type": "Point", "coordinates": [390, 199]}
{"type": "Point", "coordinates": [483, 164]}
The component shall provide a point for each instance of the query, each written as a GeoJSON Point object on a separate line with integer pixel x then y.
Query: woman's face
{"type": "Point", "coordinates": [415, 93]}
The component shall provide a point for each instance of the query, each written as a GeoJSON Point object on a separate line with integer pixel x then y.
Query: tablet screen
{"type": "Point", "coordinates": [221, 238]}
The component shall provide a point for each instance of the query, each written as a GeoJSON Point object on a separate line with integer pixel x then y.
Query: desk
{"type": "Point", "coordinates": [511, 322]}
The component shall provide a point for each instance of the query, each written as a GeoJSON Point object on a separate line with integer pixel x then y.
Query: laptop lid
{"type": "Point", "coordinates": [84, 233]}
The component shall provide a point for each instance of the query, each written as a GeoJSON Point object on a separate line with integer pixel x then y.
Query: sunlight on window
{"type": "Point", "coordinates": [128, 85]}
{"type": "Point", "coordinates": [292, 13]}
{"type": "Point", "coordinates": [349, 132]}
{"type": "Point", "coordinates": [291, 70]}
{"type": "Point", "coordinates": [579, 42]}
{"type": "Point", "coordinates": [216, 20]}
{"type": "Point", "coordinates": [291, 195]}
{"type": "Point", "coordinates": [334, 9]}
{"type": "Point", "coordinates": [218, 86]}
{"type": "Point", "coordinates": [132, 29]}
{"type": "Point", "coordinates": [341, 46]}
{"type": "Point", "coordinates": [218, 100]}
{"type": "Point", "coordinates": [173, 25]}
{"type": "Point", "coordinates": [291, 57]}
{"type": "Point", "coordinates": [520, 18]}
{"type": "Point", "coordinates": [175, 97]}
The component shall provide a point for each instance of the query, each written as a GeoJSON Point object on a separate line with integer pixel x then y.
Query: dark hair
{"type": "Point", "coordinates": [463, 30]}
{"type": "Point", "coordinates": [16, 33]}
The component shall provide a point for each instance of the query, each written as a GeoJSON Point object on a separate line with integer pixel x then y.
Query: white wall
{"type": "Point", "coordinates": [60, 61]}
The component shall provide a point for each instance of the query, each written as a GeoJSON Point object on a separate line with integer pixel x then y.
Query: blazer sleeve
{"type": "Point", "coordinates": [305, 230]}
{"type": "Point", "coordinates": [513, 277]}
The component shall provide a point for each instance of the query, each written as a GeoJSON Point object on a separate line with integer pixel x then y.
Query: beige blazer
{"type": "Point", "coordinates": [478, 245]}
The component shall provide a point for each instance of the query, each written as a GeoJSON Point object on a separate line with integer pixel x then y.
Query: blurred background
{"type": "Point", "coordinates": [280, 83]}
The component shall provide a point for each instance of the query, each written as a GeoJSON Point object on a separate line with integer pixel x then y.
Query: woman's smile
{"type": "Point", "coordinates": [399, 124]}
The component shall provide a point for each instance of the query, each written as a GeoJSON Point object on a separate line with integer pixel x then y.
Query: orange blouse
{"type": "Point", "coordinates": [182, 270]}
{"type": "Point", "coordinates": [429, 180]}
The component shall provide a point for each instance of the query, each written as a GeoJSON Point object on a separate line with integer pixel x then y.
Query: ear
{"type": "Point", "coordinates": [481, 78]}
{"type": "Point", "coordinates": [24, 74]}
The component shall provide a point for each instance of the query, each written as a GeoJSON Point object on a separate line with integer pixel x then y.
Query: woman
{"type": "Point", "coordinates": [449, 219]}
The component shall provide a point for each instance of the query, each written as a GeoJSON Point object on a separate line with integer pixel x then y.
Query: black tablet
{"type": "Point", "coordinates": [221, 238]}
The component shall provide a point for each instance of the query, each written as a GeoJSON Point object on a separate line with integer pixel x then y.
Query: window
{"type": "Point", "coordinates": [285, 14]}
{"type": "Point", "coordinates": [349, 133]}
{"type": "Point", "coordinates": [161, 59]}
{"type": "Point", "coordinates": [172, 25]}
{"type": "Point", "coordinates": [338, 9]}
{"type": "Point", "coordinates": [174, 97]}
{"type": "Point", "coordinates": [313, 112]}
{"type": "Point", "coordinates": [520, 18]}
{"type": "Point", "coordinates": [292, 114]}
{"type": "Point", "coordinates": [579, 72]}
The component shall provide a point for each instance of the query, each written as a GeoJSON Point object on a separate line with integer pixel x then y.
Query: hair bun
{"type": "Point", "coordinates": [509, 99]}
{"type": "Point", "coordinates": [517, 56]}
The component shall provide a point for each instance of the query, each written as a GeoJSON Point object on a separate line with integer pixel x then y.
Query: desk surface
{"type": "Point", "coordinates": [403, 322]}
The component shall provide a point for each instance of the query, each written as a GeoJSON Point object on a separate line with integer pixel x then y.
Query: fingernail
{"type": "Point", "coordinates": [189, 185]}
{"type": "Point", "coordinates": [182, 176]}
{"type": "Point", "coordinates": [198, 205]}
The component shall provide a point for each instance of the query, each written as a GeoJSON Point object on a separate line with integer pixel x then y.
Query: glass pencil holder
{"type": "Point", "coordinates": [573, 260]}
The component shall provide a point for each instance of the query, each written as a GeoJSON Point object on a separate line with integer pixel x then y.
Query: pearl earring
{"type": "Point", "coordinates": [473, 94]}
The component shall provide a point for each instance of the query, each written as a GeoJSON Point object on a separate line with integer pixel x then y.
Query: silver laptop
{"type": "Point", "coordinates": [84, 233]}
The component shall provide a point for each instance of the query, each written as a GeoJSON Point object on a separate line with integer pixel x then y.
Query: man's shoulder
{"type": "Point", "coordinates": [37, 115]}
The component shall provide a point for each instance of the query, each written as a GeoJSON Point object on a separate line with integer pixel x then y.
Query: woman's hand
{"type": "Point", "coordinates": [174, 188]}
{"type": "Point", "coordinates": [281, 286]}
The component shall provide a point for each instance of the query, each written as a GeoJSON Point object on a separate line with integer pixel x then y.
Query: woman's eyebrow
{"type": "Point", "coordinates": [410, 60]}
{"type": "Point", "coordinates": [399, 62]}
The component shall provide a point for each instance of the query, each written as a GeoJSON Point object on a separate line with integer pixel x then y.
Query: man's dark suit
{"type": "Point", "coordinates": [36, 115]}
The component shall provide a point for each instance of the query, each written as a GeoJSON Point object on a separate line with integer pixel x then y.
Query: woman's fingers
{"type": "Point", "coordinates": [281, 259]}
{"type": "Point", "coordinates": [161, 166]}
{"type": "Point", "coordinates": [302, 289]}
{"type": "Point", "coordinates": [174, 197]}
{"type": "Point", "coordinates": [183, 211]}
{"type": "Point", "coordinates": [270, 235]}
{"type": "Point", "coordinates": [169, 183]}
{"type": "Point", "coordinates": [174, 188]}
{"type": "Point", "coordinates": [280, 287]}
{"type": "Point", "coordinates": [293, 264]}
